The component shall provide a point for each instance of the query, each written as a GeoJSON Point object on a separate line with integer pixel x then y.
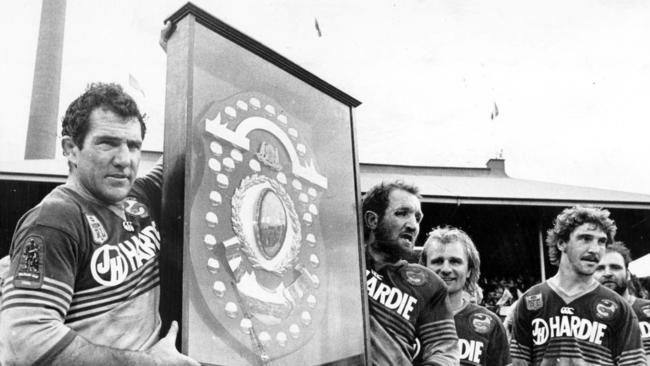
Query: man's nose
{"type": "Point", "coordinates": [412, 223]}
{"type": "Point", "coordinates": [594, 246]}
{"type": "Point", "coordinates": [445, 268]}
{"type": "Point", "coordinates": [122, 156]}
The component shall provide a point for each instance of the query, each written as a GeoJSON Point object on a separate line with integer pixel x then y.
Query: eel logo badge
{"type": "Point", "coordinates": [256, 245]}
{"type": "Point", "coordinates": [481, 323]}
{"type": "Point", "coordinates": [605, 309]}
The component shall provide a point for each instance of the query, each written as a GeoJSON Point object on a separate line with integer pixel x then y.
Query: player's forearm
{"type": "Point", "coordinates": [82, 352]}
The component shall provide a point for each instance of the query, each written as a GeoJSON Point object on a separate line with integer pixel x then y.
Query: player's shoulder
{"type": "Point", "coordinates": [641, 308]}
{"type": "Point", "coordinates": [535, 297]}
{"type": "Point", "coordinates": [418, 275]}
{"type": "Point", "coordinates": [480, 319]}
{"type": "Point", "coordinates": [602, 292]}
{"type": "Point", "coordinates": [607, 305]}
{"type": "Point", "coordinates": [478, 309]}
{"type": "Point", "coordinates": [58, 210]}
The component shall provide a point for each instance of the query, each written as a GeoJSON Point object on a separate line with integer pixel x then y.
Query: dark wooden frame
{"type": "Point", "coordinates": [178, 127]}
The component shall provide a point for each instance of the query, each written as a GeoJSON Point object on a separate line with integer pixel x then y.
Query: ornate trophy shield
{"type": "Point", "coordinates": [261, 260]}
{"type": "Point", "coordinates": [260, 266]}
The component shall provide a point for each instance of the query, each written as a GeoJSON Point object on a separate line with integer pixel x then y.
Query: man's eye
{"type": "Point", "coordinates": [436, 261]}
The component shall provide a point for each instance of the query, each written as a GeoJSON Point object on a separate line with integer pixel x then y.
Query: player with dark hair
{"type": "Point", "coordinates": [613, 273]}
{"type": "Point", "coordinates": [83, 285]}
{"type": "Point", "coordinates": [452, 255]}
{"type": "Point", "coordinates": [571, 319]}
{"type": "Point", "coordinates": [407, 301]}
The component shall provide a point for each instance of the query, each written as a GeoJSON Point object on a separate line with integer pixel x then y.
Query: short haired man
{"type": "Point", "coordinates": [613, 273]}
{"type": "Point", "coordinates": [407, 301]}
{"type": "Point", "coordinates": [571, 319]}
{"type": "Point", "coordinates": [84, 285]}
{"type": "Point", "coordinates": [452, 255]}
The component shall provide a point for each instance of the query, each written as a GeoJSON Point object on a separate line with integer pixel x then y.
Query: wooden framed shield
{"type": "Point", "coordinates": [260, 202]}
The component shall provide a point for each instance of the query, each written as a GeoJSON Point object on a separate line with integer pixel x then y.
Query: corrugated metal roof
{"type": "Point", "coordinates": [437, 184]}
{"type": "Point", "coordinates": [482, 186]}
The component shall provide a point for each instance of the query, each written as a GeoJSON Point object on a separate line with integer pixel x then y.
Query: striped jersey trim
{"type": "Point", "coordinates": [398, 327]}
{"type": "Point", "coordinates": [53, 294]}
{"type": "Point", "coordinates": [93, 306]}
{"type": "Point", "coordinates": [631, 357]}
{"type": "Point", "coordinates": [646, 346]}
{"type": "Point", "coordinates": [81, 298]}
{"type": "Point", "coordinates": [438, 331]}
{"type": "Point", "coordinates": [563, 346]}
{"type": "Point", "coordinates": [520, 351]}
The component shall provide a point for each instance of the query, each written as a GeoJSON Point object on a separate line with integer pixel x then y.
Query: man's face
{"type": "Point", "coordinates": [584, 249]}
{"type": "Point", "coordinates": [398, 229]}
{"type": "Point", "coordinates": [611, 272]}
{"type": "Point", "coordinates": [449, 261]}
{"type": "Point", "coordinates": [107, 165]}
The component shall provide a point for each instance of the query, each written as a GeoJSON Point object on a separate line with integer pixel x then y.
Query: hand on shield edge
{"type": "Point", "coordinates": [164, 352]}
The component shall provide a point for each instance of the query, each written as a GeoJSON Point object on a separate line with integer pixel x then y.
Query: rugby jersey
{"type": "Point", "coordinates": [77, 268]}
{"type": "Point", "coordinates": [482, 338]}
{"type": "Point", "coordinates": [408, 302]}
{"type": "Point", "coordinates": [597, 327]}
{"type": "Point", "coordinates": [641, 308]}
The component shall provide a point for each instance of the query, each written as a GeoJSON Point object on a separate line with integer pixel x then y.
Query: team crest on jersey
{"type": "Point", "coordinates": [99, 233]}
{"type": "Point", "coordinates": [646, 310]}
{"type": "Point", "coordinates": [481, 323]}
{"type": "Point", "coordinates": [135, 208]}
{"type": "Point", "coordinates": [605, 309]}
{"type": "Point", "coordinates": [534, 302]}
{"type": "Point", "coordinates": [414, 276]}
{"type": "Point", "coordinates": [29, 273]}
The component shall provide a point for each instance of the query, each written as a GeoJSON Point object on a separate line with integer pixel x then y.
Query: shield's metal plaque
{"type": "Point", "coordinates": [270, 223]}
{"type": "Point", "coordinates": [261, 267]}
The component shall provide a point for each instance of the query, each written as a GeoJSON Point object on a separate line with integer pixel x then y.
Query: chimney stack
{"type": "Point", "coordinates": [44, 106]}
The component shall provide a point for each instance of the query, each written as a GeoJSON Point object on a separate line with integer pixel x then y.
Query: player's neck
{"type": "Point", "coordinates": [76, 186]}
{"type": "Point", "coordinates": [381, 256]}
{"type": "Point", "coordinates": [456, 302]}
{"type": "Point", "coordinates": [377, 256]}
{"type": "Point", "coordinates": [628, 297]}
{"type": "Point", "coordinates": [572, 282]}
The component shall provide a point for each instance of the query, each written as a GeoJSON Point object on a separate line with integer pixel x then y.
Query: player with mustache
{"type": "Point", "coordinates": [406, 301]}
{"type": "Point", "coordinates": [452, 255]}
{"type": "Point", "coordinates": [613, 273]}
{"type": "Point", "coordinates": [571, 319]}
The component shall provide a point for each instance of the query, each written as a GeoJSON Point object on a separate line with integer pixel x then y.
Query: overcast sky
{"type": "Point", "coordinates": [571, 79]}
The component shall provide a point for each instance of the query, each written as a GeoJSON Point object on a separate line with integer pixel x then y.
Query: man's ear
{"type": "Point", "coordinates": [70, 149]}
{"type": "Point", "coordinates": [561, 245]}
{"type": "Point", "coordinates": [628, 275]}
{"type": "Point", "coordinates": [371, 219]}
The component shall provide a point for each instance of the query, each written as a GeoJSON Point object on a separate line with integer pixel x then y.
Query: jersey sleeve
{"type": "Point", "coordinates": [37, 295]}
{"type": "Point", "coordinates": [149, 187]}
{"type": "Point", "coordinates": [437, 330]}
{"type": "Point", "coordinates": [627, 348]}
{"type": "Point", "coordinates": [498, 350]}
{"type": "Point", "coordinates": [521, 343]}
